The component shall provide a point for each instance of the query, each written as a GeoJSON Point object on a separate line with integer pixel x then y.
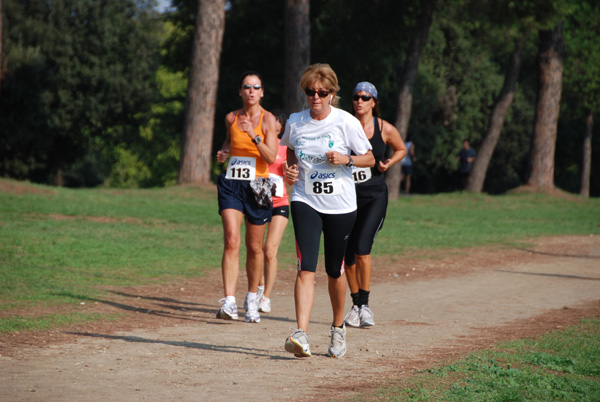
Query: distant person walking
{"type": "Point", "coordinates": [320, 140]}
{"type": "Point", "coordinates": [372, 201]}
{"type": "Point", "coordinates": [407, 165]}
{"type": "Point", "coordinates": [251, 145]}
{"type": "Point", "coordinates": [466, 157]}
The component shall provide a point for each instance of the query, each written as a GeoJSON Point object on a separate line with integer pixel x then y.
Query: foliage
{"type": "Point", "coordinates": [581, 94]}
{"type": "Point", "coordinates": [91, 64]}
{"type": "Point", "coordinates": [91, 97]}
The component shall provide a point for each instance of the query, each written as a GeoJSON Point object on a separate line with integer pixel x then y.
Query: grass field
{"type": "Point", "coordinates": [60, 245]}
{"type": "Point", "coordinates": [559, 366]}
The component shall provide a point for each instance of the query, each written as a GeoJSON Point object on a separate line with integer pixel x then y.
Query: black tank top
{"type": "Point", "coordinates": [377, 181]}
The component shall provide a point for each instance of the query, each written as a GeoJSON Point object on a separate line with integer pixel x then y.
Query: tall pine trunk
{"type": "Point", "coordinates": [1, 69]}
{"type": "Point", "coordinates": [586, 165]}
{"type": "Point", "coordinates": [197, 138]}
{"type": "Point", "coordinates": [408, 76]}
{"type": "Point", "coordinates": [297, 52]}
{"type": "Point", "coordinates": [499, 111]}
{"type": "Point", "coordinates": [550, 64]}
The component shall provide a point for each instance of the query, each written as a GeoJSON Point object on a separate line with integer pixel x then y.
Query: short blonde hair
{"type": "Point", "coordinates": [325, 75]}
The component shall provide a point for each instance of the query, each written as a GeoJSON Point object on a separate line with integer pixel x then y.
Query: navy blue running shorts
{"type": "Point", "coordinates": [237, 194]}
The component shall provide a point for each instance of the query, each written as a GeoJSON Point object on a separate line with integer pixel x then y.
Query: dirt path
{"type": "Point", "coordinates": [170, 346]}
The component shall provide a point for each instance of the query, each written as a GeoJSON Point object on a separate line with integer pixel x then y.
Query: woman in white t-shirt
{"type": "Point", "coordinates": [320, 140]}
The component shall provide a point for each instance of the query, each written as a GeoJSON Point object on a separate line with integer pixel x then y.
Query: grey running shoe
{"type": "Point", "coordinates": [228, 311]}
{"type": "Point", "coordinates": [298, 344]}
{"type": "Point", "coordinates": [366, 316]}
{"type": "Point", "coordinates": [264, 305]}
{"type": "Point", "coordinates": [337, 346]}
{"type": "Point", "coordinates": [352, 318]}
{"type": "Point", "coordinates": [252, 311]}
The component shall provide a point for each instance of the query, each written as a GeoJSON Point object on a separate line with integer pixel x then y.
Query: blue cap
{"type": "Point", "coordinates": [367, 87]}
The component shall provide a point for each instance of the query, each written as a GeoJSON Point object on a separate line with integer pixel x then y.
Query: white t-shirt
{"type": "Point", "coordinates": [325, 187]}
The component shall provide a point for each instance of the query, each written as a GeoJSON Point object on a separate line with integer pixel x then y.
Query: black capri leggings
{"type": "Point", "coordinates": [369, 221]}
{"type": "Point", "coordinates": [308, 225]}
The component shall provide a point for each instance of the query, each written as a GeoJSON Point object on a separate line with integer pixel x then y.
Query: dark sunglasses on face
{"type": "Point", "coordinates": [312, 92]}
{"type": "Point", "coordinates": [365, 98]}
{"type": "Point", "coordinates": [248, 86]}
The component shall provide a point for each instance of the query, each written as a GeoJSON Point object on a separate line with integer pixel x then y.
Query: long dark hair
{"type": "Point", "coordinates": [247, 73]}
{"type": "Point", "coordinates": [282, 118]}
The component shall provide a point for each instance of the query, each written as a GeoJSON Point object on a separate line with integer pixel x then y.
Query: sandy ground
{"type": "Point", "coordinates": [168, 345]}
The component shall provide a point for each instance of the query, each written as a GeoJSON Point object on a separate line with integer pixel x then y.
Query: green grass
{"type": "Point", "coordinates": [560, 366]}
{"type": "Point", "coordinates": [61, 246]}
{"type": "Point", "coordinates": [48, 321]}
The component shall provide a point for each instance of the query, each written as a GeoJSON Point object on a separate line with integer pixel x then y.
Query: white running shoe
{"type": "Point", "coordinates": [259, 294]}
{"type": "Point", "coordinates": [366, 316]}
{"type": "Point", "coordinates": [252, 311]}
{"type": "Point", "coordinates": [264, 305]}
{"type": "Point", "coordinates": [352, 318]}
{"type": "Point", "coordinates": [298, 344]}
{"type": "Point", "coordinates": [337, 346]}
{"type": "Point", "coordinates": [228, 311]}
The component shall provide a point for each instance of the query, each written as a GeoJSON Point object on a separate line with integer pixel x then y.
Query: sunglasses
{"type": "Point", "coordinates": [248, 86]}
{"type": "Point", "coordinates": [312, 92]}
{"type": "Point", "coordinates": [365, 98]}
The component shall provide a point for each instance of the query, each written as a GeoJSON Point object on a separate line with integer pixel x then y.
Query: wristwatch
{"type": "Point", "coordinates": [257, 140]}
{"type": "Point", "coordinates": [350, 162]}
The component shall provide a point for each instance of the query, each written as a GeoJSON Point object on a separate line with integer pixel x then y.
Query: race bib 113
{"type": "Point", "coordinates": [241, 168]}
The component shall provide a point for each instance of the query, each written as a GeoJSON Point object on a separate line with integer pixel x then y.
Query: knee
{"type": "Point", "coordinates": [254, 249]}
{"type": "Point", "coordinates": [232, 242]}
{"type": "Point", "coordinates": [270, 252]}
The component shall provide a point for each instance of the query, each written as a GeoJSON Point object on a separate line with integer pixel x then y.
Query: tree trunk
{"type": "Point", "coordinates": [1, 69]}
{"type": "Point", "coordinates": [58, 179]}
{"type": "Point", "coordinates": [297, 52]}
{"type": "Point", "coordinates": [499, 111]}
{"type": "Point", "coordinates": [550, 60]}
{"type": "Point", "coordinates": [408, 75]}
{"type": "Point", "coordinates": [197, 138]}
{"type": "Point", "coordinates": [586, 165]}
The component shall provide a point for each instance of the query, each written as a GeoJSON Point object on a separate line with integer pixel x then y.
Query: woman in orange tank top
{"type": "Point", "coordinates": [251, 145]}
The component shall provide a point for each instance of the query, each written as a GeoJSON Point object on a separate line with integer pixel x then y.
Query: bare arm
{"type": "Point", "coordinates": [290, 167]}
{"type": "Point", "coordinates": [267, 148]}
{"type": "Point", "coordinates": [392, 137]}
{"type": "Point", "coordinates": [366, 160]}
{"type": "Point", "coordinates": [225, 150]}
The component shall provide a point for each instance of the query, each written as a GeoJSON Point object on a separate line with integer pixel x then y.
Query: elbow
{"type": "Point", "coordinates": [371, 160]}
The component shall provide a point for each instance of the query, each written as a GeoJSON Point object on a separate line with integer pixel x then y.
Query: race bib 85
{"type": "Point", "coordinates": [323, 181]}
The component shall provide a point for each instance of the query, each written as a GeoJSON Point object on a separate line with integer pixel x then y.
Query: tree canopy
{"type": "Point", "coordinates": [96, 89]}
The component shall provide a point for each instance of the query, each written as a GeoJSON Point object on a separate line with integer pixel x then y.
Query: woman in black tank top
{"type": "Point", "coordinates": [372, 199]}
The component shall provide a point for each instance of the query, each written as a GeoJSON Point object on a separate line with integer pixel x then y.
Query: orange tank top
{"type": "Point", "coordinates": [242, 145]}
